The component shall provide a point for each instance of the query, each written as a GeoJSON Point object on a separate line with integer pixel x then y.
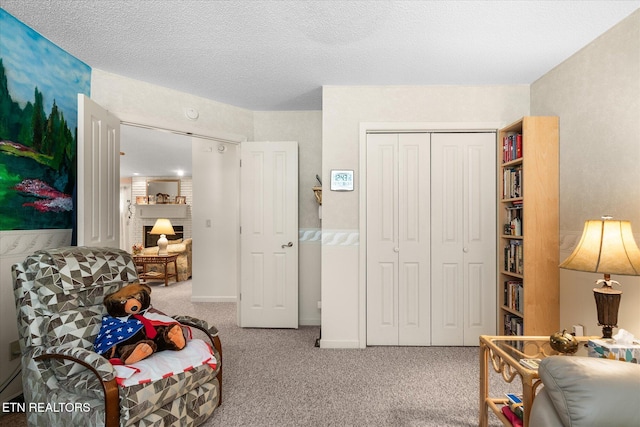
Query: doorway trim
{"type": "Point", "coordinates": [393, 127]}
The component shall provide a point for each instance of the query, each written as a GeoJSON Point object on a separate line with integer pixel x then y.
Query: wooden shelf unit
{"type": "Point", "coordinates": [539, 308]}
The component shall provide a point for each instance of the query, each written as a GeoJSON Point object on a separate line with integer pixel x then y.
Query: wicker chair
{"type": "Point", "coordinates": [59, 297]}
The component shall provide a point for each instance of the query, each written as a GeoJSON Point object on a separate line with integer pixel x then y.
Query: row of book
{"type": "Point", "coordinates": [513, 325]}
{"type": "Point", "coordinates": [513, 295]}
{"type": "Point", "coordinates": [513, 223]}
{"type": "Point", "coordinates": [514, 257]}
{"type": "Point", "coordinates": [513, 410]}
{"type": "Point", "coordinates": [512, 183]}
{"type": "Point", "coordinates": [511, 147]}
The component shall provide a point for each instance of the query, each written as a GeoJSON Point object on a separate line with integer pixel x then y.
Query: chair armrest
{"type": "Point", "coordinates": [100, 367]}
{"type": "Point", "coordinates": [198, 324]}
{"type": "Point", "coordinates": [89, 359]}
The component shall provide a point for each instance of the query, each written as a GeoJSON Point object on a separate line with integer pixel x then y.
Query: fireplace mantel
{"type": "Point", "coordinates": [162, 211]}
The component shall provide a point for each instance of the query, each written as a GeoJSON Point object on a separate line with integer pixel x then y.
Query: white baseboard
{"type": "Point", "coordinates": [213, 299]}
{"type": "Point", "coordinates": [339, 344]}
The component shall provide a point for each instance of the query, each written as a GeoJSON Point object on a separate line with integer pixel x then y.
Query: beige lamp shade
{"type": "Point", "coordinates": [162, 226]}
{"type": "Point", "coordinates": [607, 247]}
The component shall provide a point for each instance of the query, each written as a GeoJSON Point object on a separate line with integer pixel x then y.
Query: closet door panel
{"type": "Point", "coordinates": [479, 247]}
{"type": "Point", "coordinates": [463, 209]}
{"type": "Point", "coordinates": [414, 227]}
{"type": "Point", "coordinates": [382, 240]}
{"type": "Point", "coordinates": [446, 242]}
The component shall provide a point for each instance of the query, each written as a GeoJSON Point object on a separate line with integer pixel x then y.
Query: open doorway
{"type": "Point", "coordinates": [149, 155]}
{"type": "Point", "coordinates": [204, 172]}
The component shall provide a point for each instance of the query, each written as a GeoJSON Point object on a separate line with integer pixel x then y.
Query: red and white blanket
{"type": "Point", "coordinates": [166, 363]}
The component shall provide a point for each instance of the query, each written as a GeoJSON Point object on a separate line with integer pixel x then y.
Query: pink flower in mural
{"type": "Point", "coordinates": [52, 199]}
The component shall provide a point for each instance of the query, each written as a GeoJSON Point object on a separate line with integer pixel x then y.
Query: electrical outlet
{"type": "Point", "coordinates": [14, 350]}
{"type": "Point", "coordinates": [578, 330]}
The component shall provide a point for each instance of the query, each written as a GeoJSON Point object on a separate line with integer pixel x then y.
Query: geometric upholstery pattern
{"type": "Point", "coordinates": [59, 297]}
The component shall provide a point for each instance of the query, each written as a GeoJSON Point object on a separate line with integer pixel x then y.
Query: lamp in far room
{"type": "Point", "coordinates": [162, 227]}
{"type": "Point", "coordinates": [607, 247]}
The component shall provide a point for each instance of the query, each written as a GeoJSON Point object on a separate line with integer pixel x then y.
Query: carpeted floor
{"type": "Point", "coordinates": [277, 377]}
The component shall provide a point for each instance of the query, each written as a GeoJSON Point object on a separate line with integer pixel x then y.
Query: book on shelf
{"type": "Point", "coordinates": [513, 294]}
{"type": "Point", "coordinates": [515, 404]}
{"type": "Point", "coordinates": [511, 147]}
{"type": "Point", "coordinates": [514, 257]}
{"type": "Point", "coordinates": [512, 182]}
{"type": "Point", "coordinates": [513, 225]}
{"type": "Point", "coordinates": [513, 325]}
{"type": "Point", "coordinates": [513, 418]}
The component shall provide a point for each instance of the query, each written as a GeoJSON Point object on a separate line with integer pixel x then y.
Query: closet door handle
{"type": "Point", "coordinates": [396, 249]}
{"type": "Point", "coordinates": [288, 245]}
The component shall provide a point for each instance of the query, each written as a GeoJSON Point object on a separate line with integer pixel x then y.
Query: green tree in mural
{"type": "Point", "coordinates": [25, 135]}
{"type": "Point", "coordinates": [57, 139]}
{"type": "Point", "coordinates": [10, 112]}
{"type": "Point", "coordinates": [38, 121]}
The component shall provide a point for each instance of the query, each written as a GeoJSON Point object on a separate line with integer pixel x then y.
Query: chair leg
{"type": "Point", "coordinates": [111, 404]}
{"type": "Point", "coordinates": [218, 346]}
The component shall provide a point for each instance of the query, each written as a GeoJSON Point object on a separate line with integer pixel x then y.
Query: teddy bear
{"type": "Point", "coordinates": [130, 332]}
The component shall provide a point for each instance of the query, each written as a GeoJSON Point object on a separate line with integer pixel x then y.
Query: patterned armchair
{"type": "Point", "coordinates": [59, 298]}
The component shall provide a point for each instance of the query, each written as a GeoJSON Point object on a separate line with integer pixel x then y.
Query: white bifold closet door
{"type": "Point", "coordinates": [398, 239]}
{"type": "Point", "coordinates": [430, 238]}
{"type": "Point", "coordinates": [463, 243]}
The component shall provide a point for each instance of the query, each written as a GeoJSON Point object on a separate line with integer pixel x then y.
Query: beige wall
{"type": "Point", "coordinates": [140, 102]}
{"type": "Point", "coordinates": [596, 94]}
{"type": "Point", "coordinates": [306, 128]}
{"type": "Point", "coordinates": [344, 108]}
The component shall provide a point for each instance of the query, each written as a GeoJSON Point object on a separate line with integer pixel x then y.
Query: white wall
{"type": "Point", "coordinates": [344, 108]}
{"type": "Point", "coordinates": [596, 94]}
{"type": "Point", "coordinates": [216, 220]}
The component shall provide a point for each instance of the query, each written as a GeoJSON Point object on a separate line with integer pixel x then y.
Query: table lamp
{"type": "Point", "coordinates": [162, 227]}
{"type": "Point", "coordinates": [607, 247]}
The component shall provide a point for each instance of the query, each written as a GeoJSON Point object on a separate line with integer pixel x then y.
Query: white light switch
{"type": "Point", "coordinates": [208, 223]}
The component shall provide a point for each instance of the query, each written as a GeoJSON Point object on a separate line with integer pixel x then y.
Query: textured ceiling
{"type": "Point", "coordinates": [276, 55]}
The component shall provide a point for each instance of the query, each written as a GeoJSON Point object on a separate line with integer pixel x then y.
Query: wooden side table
{"type": "Point", "coordinates": [144, 260]}
{"type": "Point", "coordinates": [504, 354]}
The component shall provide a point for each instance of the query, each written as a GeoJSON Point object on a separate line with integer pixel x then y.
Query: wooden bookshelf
{"type": "Point", "coordinates": [531, 193]}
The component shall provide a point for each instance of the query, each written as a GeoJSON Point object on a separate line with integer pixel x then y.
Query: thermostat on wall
{"type": "Point", "coordinates": [341, 180]}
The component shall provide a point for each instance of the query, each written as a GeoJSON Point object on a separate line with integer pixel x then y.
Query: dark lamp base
{"type": "Point", "coordinates": [607, 303]}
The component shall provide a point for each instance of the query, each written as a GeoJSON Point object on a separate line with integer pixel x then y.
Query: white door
{"type": "Point", "coordinates": [98, 215]}
{"type": "Point", "coordinates": [398, 239]}
{"type": "Point", "coordinates": [269, 234]}
{"type": "Point", "coordinates": [463, 241]}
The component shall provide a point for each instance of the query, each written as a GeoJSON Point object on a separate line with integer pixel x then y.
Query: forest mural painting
{"type": "Point", "coordinates": [39, 83]}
